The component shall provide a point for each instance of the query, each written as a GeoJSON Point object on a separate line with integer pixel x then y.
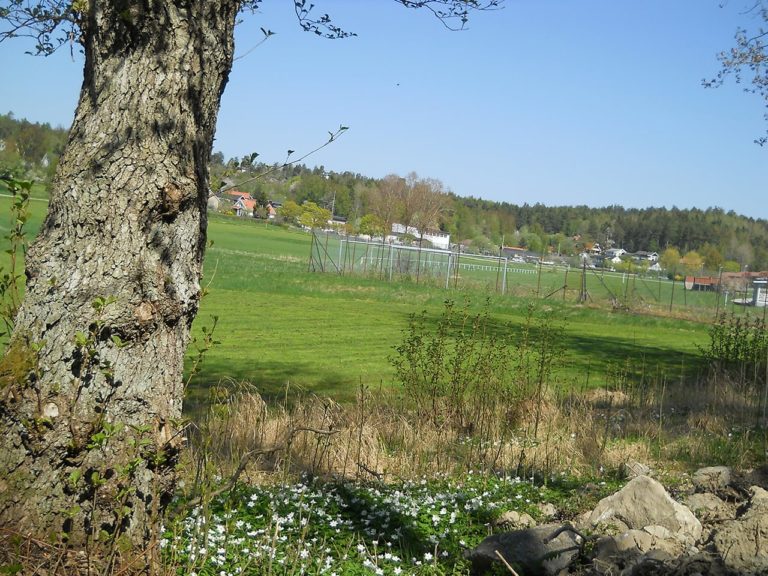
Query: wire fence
{"type": "Point", "coordinates": [456, 270]}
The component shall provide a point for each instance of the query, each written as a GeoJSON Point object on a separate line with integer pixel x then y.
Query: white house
{"type": "Point", "coordinates": [649, 256]}
{"type": "Point", "coordinates": [437, 238]}
{"type": "Point", "coordinates": [613, 253]}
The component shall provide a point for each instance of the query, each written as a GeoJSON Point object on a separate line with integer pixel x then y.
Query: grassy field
{"type": "Point", "coordinates": [280, 325]}
{"type": "Point", "coordinates": [438, 485]}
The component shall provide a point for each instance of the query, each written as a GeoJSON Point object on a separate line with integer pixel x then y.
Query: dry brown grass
{"type": "Point", "coordinates": [671, 426]}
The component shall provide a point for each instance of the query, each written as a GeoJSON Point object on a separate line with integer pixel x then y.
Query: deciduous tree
{"type": "Point", "coordinates": [313, 216]}
{"type": "Point", "coordinates": [670, 259]}
{"type": "Point", "coordinates": [91, 393]}
{"type": "Point", "coordinates": [747, 61]}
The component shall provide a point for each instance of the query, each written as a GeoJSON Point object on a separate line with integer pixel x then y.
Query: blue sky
{"type": "Point", "coordinates": [595, 102]}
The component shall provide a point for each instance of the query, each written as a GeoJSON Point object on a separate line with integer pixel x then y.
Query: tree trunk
{"type": "Point", "coordinates": [91, 386]}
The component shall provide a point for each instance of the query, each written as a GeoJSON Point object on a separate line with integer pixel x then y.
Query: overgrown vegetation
{"type": "Point", "coordinates": [739, 346]}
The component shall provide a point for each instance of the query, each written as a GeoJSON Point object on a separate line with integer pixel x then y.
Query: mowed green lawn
{"type": "Point", "coordinates": [280, 325]}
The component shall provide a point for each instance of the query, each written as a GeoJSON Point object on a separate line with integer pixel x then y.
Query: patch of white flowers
{"type": "Point", "coordinates": [328, 528]}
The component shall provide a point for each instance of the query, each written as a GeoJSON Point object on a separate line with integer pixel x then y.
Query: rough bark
{"type": "Point", "coordinates": [91, 390]}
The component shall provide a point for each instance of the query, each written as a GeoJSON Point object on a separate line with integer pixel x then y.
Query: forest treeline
{"type": "Point", "coordinates": [32, 149]}
{"type": "Point", "coordinates": [717, 237]}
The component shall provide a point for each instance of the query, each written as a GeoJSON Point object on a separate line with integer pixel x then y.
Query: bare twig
{"type": "Point", "coordinates": [333, 137]}
{"type": "Point", "coordinates": [512, 570]}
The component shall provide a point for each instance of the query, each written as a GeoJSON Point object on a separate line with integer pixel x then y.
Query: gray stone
{"type": "Point", "coordinates": [743, 543]}
{"type": "Point", "coordinates": [644, 502]}
{"type": "Point", "coordinates": [547, 510]}
{"type": "Point", "coordinates": [635, 469]}
{"type": "Point", "coordinates": [616, 553]}
{"type": "Point", "coordinates": [712, 479]}
{"type": "Point", "coordinates": [709, 508]}
{"type": "Point", "coordinates": [547, 550]}
{"type": "Point", "coordinates": [513, 520]}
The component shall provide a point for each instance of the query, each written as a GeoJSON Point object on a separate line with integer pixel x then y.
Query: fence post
{"type": "Point", "coordinates": [719, 289]}
{"type": "Point", "coordinates": [672, 298]}
{"type": "Point", "coordinates": [538, 280]}
{"type": "Point", "coordinates": [565, 282]}
{"type": "Point", "coordinates": [504, 279]}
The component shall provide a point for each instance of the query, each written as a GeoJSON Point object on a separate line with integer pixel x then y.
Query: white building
{"type": "Point", "coordinates": [613, 253]}
{"type": "Point", "coordinates": [437, 238]}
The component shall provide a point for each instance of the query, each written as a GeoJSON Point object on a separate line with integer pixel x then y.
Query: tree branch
{"type": "Point", "coordinates": [333, 137]}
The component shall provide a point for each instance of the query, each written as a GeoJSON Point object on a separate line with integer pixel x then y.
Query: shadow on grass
{"type": "Point", "coordinates": [592, 354]}
{"type": "Point", "coordinates": [270, 380]}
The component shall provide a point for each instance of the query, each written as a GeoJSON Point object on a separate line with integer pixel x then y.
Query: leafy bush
{"type": "Point", "coordinates": [471, 373]}
{"type": "Point", "coordinates": [738, 346]}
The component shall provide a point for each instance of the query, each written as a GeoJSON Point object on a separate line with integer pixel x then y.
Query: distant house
{"type": "Point", "coordinates": [518, 254]}
{"type": "Point", "coordinates": [235, 195]}
{"type": "Point", "coordinates": [244, 206]}
{"type": "Point", "coordinates": [337, 223]}
{"type": "Point", "coordinates": [612, 253]}
{"type": "Point", "coordinates": [702, 283]}
{"type": "Point", "coordinates": [437, 238]}
{"type": "Point", "coordinates": [642, 256]}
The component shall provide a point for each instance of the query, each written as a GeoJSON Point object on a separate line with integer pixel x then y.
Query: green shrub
{"type": "Point", "coordinates": [738, 347]}
{"type": "Point", "coordinates": [469, 371]}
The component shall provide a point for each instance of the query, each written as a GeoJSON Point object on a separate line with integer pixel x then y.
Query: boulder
{"type": "Point", "coordinates": [709, 508]}
{"type": "Point", "coordinates": [743, 543]}
{"type": "Point", "coordinates": [614, 554]}
{"type": "Point", "coordinates": [713, 479]}
{"type": "Point", "coordinates": [512, 520]}
{"type": "Point", "coordinates": [644, 502]}
{"type": "Point", "coordinates": [545, 550]}
{"type": "Point", "coordinates": [547, 510]}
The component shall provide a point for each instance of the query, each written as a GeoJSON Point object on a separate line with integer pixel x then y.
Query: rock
{"type": "Point", "coordinates": [712, 479]}
{"type": "Point", "coordinates": [635, 547]}
{"type": "Point", "coordinates": [644, 502]}
{"type": "Point", "coordinates": [547, 510]}
{"type": "Point", "coordinates": [512, 520]}
{"type": "Point", "coordinates": [743, 543]}
{"type": "Point", "coordinates": [709, 508]}
{"type": "Point", "coordinates": [547, 550]}
{"type": "Point", "coordinates": [582, 521]}
{"type": "Point", "coordinates": [635, 469]}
